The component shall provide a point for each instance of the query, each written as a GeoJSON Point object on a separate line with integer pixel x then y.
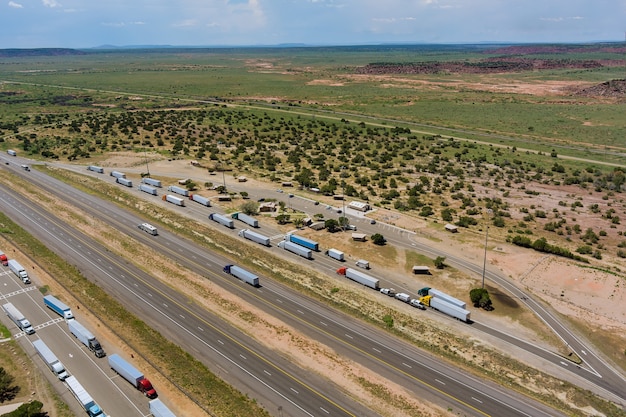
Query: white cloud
{"type": "Point", "coordinates": [185, 23]}
{"type": "Point", "coordinates": [392, 19]}
{"type": "Point", "coordinates": [51, 3]}
{"type": "Point", "coordinates": [15, 5]}
{"type": "Point", "coordinates": [560, 19]}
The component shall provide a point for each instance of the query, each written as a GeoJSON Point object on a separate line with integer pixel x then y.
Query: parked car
{"type": "Point", "coordinates": [388, 291]}
{"type": "Point", "coordinates": [372, 221]}
{"type": "Point", "coordinates": [416, 303]}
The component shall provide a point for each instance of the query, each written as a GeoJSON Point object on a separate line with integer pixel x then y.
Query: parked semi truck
{"type": "Point", "coordinates": [19, 271]}
{"type": "Point", "coordinates": [117, 174]}
{"type": "Point", "coordinates": [450, 299]}
{"type": "Point", "coordinates": [445, 307]}
{"type": "Point", "coordinates": [297, 249]}
{"type": "Point", "coordinates": [242, 274]}
{"type": "Point", "coordinates": [96, 168]}
{"type": "Point", "coordinates": [58, 307]}
{"type": "Point", "coordinates": [158, 409]}
{"type": "Point", "coordinates": [4, 259]}
{"type": "Point", "coordinates": [132, 375]}
{"type": "Point", "coordinates": [18, 318]}
{"type": "Point", "coordinates": [148, 189]}
{"type": "Point", "coordinates": [302, 241]}
{"type": "Point", "coordinates": [50, 359]}
{"type": "Point", "coordinates": [123, 181]}
{"type": "Point", "coordinates": [83, 397]}
{"type": "Point", "coordinates": [151, 181]}
{"type": "Point", "coordinates": [359, 277]}
{"type": "Point", "coordinates": [174, 200]}
{"type": "Point", "coordinates": [12, 152]}
{"type": "Point", "coordinates": [86, 337]}
{"type": "Point", "coordinates": [255, 237]}
{"type": "Point", "coordinates": [205, 201]}
{"type": "Point", "coordinates": [335, 254]}
{"type": "Point", "coordinates": [249, 220]}
{"type": "Point", "coordinates": [222, 220]}
{"type": "Point", "coordinates": [178, 190]}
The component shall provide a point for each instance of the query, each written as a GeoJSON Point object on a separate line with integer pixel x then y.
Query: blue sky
{"type": "Point", "coordinates": [89, 23]}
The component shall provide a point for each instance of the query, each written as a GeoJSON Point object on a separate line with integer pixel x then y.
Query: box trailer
{"type": "Point", "coordinates": [151, 181]}
{"type": "Point", "coordinates": [360, 277]}
{"type": "Point", "coordinates": [255, 237]}
{"type": "Point", "coordinates": [302, 241]}
{"type": "Point", "coordinates": [117, 174]}
{"type": "Point", "coordinates": [335, 254]}
{"type": "Point", "coordinates": [222, 220]}
{"type": "Point", "coordinates": [132, 375]}
{"type": "Point", "coordinates": [123, 181]}
{"type": "Point", "coordinates": [242, 274]}
{"type": "Point", "coordinates": [249, 220]}
{"type": "Point", "coordinates": [178, 190]}
{"type": "Point", "coordinates": [148, 189]}
{"type": "Point", "coordinates": [450, 299]}
{"type": "Point", "coordinates": [158, 409]}
{"type": "Point", "coordinates": [205, 201]}
{"type": "Point", "coordinates": [12, 152]}
{"type": "Point", "coordinates": [58, 307]}
{"type": "Point", "coordinates": [148, 228]}
{"type": "Point", "coordinates": [83, 397]}
{"type": "Point", "coordinates": [297, 249]}
{"type": "Point", "coordinates": [96, 168]}
{"type": "Point", "coordinates": [18, 318]}
{"type": "Point", "coordinates": [18, 270]}
{"type": "Point", "coordinates": [174, 200]}
{"type": "Point", "coordinates": [445, 307]}
{"type": "Point", "coordinates": [86, 337]}
{"type": "Point", "coordinates": [50, 359]}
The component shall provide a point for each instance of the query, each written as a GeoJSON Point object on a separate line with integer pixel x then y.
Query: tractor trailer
{"type": "Point", "coordinates": [174, 200]}
{"type": "Point", "coordinates": [86, 337]}
{"type": "Point", "coordinates": [178, 190]}
{"type": "Point", "coordinates": [95, 168]}
{"type": "Point", "coordinates": [360, 277]}
{"type": "Point", "coordinates": [335, 254]}
{"type": "Point", "coordinates": [223, 220]}
{"type": "Point", "coordinates": [242, 274]}
{"type": "Point", "coordinates": [297, 249]}
{"type": "Point", "coordinates": [445, 307]}
{"type": "Point", "coordinates": [19, 271]}
{"type": "Point", "coordinates": [83, 397]}
{"type": "Point", "coordinates": [302, 241]}
{"type": "Point", "coordinates": [58, 307]}
{"type": "Point", "coordinates": [132, 375]}
{"type": "Point", "coordinates": [50, 359]}
{"type": "Point", "coordinates": [117, 174]}
{"type": "Point", "coordinates": [205, 201]}
{"type": "Point", "coordinates": [151, 181]}
{"type": "Point", "coordinates": [450, 299]}
{"type": "Point", "coordinates": [148, 189]}
{"type": "Point", "coordinates": [255, 237]}
{"type": "Point", "coordinates": [249, 220]}
{"type": "Point", "coordinates": [158, 409]}
{"type": "Point", "coordinates": [123, 181]}
{"type": "Point", "coordinates": [18, 318]}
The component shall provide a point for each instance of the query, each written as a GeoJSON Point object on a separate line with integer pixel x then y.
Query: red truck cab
{"type": "Point", "coordinates": [146, 387]}
{"type": "Point", "coordinates": [4, 259]}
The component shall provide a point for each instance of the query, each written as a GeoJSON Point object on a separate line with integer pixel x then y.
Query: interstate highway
{"type": "Point", "coordinates": [396, 360]}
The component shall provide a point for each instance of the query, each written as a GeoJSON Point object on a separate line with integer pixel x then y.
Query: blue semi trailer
{"type": "Point", "coordinates": [302, 241]}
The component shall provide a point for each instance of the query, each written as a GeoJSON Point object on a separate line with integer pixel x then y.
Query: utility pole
{"type": "Point", "coordinates": [489, 211]}
{"type": "Point", "coordinates": [343, 199]}
{"type": "Point", "coordinates": [145, 154]}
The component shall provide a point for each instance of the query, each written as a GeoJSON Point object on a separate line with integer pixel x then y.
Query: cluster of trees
{"type": "Point", "coordinates": [8, 391]}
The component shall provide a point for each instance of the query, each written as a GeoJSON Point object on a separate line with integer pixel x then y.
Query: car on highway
{"type": "Point", "coordinates": [416, 303]}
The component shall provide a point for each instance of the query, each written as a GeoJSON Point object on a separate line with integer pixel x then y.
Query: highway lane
{"type": "Point", "coordinates": [380, 350]}
{"type": "Point", "coordinates": [271, 379]}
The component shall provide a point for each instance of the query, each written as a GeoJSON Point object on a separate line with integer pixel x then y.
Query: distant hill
{"type": "Point", "coordinates": [8, 53]}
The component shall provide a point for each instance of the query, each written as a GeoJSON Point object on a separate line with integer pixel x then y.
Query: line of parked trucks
{"type": "Point", "coordinates": [116, 362]}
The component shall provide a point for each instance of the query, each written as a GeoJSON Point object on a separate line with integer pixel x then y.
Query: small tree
{"type": "Point", "coordinates": [378, 239]}
{"type": "Point", "coordinates": [190, 185]}
{"type": "Point", "coordinates": [331, 225]}
{"type": "Point", "coordinates": [440, 262]}
{"type": "Point", "coordinates": [31, 409]}
{"type": "Point", "coordinates": [480, 298]}
{"type": "Point", "coordinates": [7, 390]}
{"type": "Point", "coordinates": [249, 207]}
{"type": "Point", "coordinates": [243, 194]}
{"type": "Point", "coordinates": [283, 218]}
{"type": "Point", "coordinates": [298, 222]}
{"type": "Point", "coordinates": [343, 221]}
